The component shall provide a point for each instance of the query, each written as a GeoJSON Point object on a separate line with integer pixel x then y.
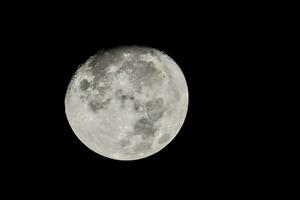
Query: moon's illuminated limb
{"type": "Point", "coordinates": [127, 103]}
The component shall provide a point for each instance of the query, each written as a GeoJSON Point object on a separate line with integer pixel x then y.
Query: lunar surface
{"type": "Point", "coordinates": [127, 103]}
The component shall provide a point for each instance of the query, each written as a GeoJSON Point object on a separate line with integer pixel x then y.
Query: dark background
{"type": "Point", "coordinates": [217, 49]}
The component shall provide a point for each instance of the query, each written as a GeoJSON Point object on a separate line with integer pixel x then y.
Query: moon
{"type": "Point", "coordinates": [127, 103]}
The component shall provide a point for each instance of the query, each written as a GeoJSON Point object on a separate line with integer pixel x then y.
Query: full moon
{"type": "Point", "coordinates": [127, 103]}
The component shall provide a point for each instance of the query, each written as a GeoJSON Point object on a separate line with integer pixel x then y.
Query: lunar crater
{"type": "Point", "coordinates": [97, 104]}
{"type": "Point", "coordinates": [144, 127]}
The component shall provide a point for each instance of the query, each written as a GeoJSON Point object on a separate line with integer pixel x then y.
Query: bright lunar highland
{"type": "Point", "coordinates": [127, 103]}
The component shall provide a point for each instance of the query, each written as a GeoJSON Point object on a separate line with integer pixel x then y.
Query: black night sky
{"type": "Point", "coordinates": [214, 148]}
